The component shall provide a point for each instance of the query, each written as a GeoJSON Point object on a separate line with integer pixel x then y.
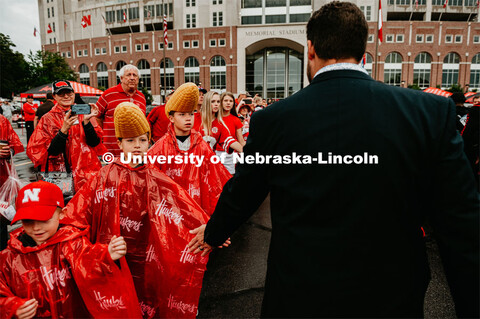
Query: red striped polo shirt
{"type": "Point", "coordinates": [106, 107]}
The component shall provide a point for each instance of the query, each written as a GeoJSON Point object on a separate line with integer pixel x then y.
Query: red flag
{"type": "Point", "coordinates": [380, 21]}
{"type": "Point", "coordinates": [445, 4]}
{"type": "Point", "coordinates": [49, 29]}
{"type": "Point", "coordinates": [124, 16]}
{"type": "Point", "coordinates": [165, 35]}
{"type": "Point", "coordinates": [86, 21]}
{"type": "Point", "coordinates": [478, 4]}
{"type": "Point", "coordinates": [34, 31]}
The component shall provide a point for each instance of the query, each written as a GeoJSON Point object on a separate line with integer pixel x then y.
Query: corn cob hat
{"type": "Point", "coordinates": [130, 121]}
{"type": "Point", "coordinates": [184, 99]}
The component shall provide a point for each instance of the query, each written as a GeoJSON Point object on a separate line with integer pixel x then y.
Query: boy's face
{"type": "Point", "coordinates": [41, 231]}
{"type": "Point", "coordinates": [134, 145]}
{"type": "Point", "coordinates": [182, 122]}
{"type": "Point", "coordinates": [215, 103]}
{"type": "Point", "coordinates": [227, 103]}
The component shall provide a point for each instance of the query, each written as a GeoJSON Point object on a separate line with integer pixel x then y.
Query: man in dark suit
{"type": "Point", "coordinates": [346, 237]}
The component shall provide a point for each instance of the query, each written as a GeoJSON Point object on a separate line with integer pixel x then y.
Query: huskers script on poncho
{"type": "Point", "coordinates": [83, 159]}
{"type": "Point", "coordinates": [154, 215]}
{"type": "Point", "coordinates": [8, 134]}
{"type": "Point", "coordinates": [67, 275]}
{"type": "Point", "coordinates": [204, 182]}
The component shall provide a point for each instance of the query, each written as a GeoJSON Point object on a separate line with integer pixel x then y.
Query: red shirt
{"type": "Point", "coordinates": [233, 124]}
{"type": "Point", "coordinates": [222, 137]}
{"type": "Point", "coordinates": [106, 107]}
{"type": "Point", "coordinates": [29, 111]}
{"type": "Point", "coordinates": [158, 121]}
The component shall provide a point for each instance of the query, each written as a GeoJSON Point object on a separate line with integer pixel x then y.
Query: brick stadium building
{"type": "Point", "coordinates": [257, 45]}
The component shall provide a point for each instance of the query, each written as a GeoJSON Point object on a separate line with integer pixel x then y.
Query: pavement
{"type": "Point", "coordinates": [234, 282]}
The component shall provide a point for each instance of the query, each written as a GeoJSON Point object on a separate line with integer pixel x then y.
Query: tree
{"type": "Point", "coordinates": [14, 70]}
{"type": "Point", "coordinates": [46, 67]}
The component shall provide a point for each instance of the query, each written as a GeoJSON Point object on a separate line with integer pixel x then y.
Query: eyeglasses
{"type": "Point", "coordinates": [68, 93]}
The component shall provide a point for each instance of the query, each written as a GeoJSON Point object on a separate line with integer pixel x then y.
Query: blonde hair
{"type": "Point", "coordinates": [207, 113]}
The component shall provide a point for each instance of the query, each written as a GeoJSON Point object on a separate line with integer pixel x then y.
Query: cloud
{"type": "Point", "coordinates": [17, 20]}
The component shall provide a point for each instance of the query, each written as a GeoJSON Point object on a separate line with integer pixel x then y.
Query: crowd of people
{"type": "Point", "coordinates": [148, 208]}
{"type": "Point", "coordinates": [134, 239]}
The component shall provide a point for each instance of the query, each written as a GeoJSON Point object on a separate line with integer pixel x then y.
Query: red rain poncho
{"type": "Point", "coordinates": [154, 215]}
{"type": "Point", "coordinates": [83, 159]}
{"type": "Point", "coordinates": [68, 276]}
{"type": "Point", "coordinates": [204, 183]}
{"type": "Point", "coordinates": [8, 134]}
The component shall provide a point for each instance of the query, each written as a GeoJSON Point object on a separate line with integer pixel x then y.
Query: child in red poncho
{"type": "Point", "coordinates": [154, 215]}
{"type": "Point", "coordinates": [52, 270]}
{"type": "Point", "coordinates": [202, 180]}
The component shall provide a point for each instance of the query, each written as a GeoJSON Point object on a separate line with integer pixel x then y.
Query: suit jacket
{"type": "Point", "coordinates": [346, 238]}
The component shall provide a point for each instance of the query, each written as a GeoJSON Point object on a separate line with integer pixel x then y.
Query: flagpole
{"type": "Point", "coordinates": [128, 20]}
{"type": "Point", "coordinates": [376, 42]}
{"type": "Point", "coordinates": [411, 13]}
{"type": "Point", "coordinates": [164, 53]}
{"type": "Point", "coordinates": [153, 15]}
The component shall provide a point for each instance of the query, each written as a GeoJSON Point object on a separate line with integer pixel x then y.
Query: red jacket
{"type": "Point", "coordinates": [8, 134]}
{"type": "Point", "coordinates": [67, 275]}
{"type": "Point", "coordinates": [29, 111]}
{"type": "Point", "coordinates": [204, 183]}
{"type": "Point", "coordinates": [158, 121]}
{"type": "Point", "coordinates": [82, 158]}
{"type": "Point", "coordinates": [154, 215]}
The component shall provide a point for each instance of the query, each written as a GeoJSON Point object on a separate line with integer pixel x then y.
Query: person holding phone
{"type": "Point", "coordinates": [64, 136]}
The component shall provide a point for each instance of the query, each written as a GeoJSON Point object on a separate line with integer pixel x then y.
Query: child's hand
{"type": "Point", "coordinates": [27, 310]}
{"type": "Point", "coordinates": [117, 248]}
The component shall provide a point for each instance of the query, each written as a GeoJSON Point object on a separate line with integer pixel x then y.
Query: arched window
{"type": "Point", "coordinates": [451, 65]}
{"type": "Point", "coordinates": [392, 74]}
{"type": "Point", "coordinates": [167, 81]}
{"type": "Point", "coordinates": [102, 76]}
{"type": "Point", "coordinates": [120, 64]}
{"type": "Point", "coordinates": [421, 70]}
{"type": "Point", "coordinates": [218, 74]}
{"type": "Point", "coordinates": [475, 72]}
{"type": "Point", "coordinates": [192, 70]}
{"type": "Point", "coordinates": [144, 70]}
{"type": "Point", "coordinates": [84, 74]}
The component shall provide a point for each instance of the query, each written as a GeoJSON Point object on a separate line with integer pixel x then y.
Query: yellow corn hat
{"type": "Point", "coordinates": [184, 99]}
{"type": "Point", "coordinates": [130, 121]}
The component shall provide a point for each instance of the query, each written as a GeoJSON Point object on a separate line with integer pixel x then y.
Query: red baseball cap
{"type": "Point", "coordinates": [38, 201]}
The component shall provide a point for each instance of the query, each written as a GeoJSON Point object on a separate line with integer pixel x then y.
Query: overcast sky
{"type": "Point", "coordinates": [17, 20]}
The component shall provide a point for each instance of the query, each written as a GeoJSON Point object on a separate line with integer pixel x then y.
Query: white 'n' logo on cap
{"type": "Point", "coordinates": [31, 195]}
